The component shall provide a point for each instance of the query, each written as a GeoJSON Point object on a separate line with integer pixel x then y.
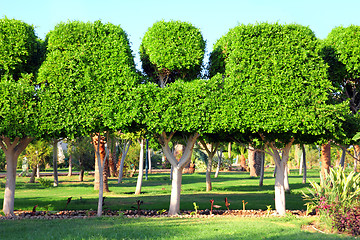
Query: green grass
{"type": "Point", "coordinates": [162, 228]}
{"type": "Point", "coordinates": [236, 186]}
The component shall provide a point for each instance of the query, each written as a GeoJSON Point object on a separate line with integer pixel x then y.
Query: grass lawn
{"type": "Point", "coordinates": [236, 186]}
{"type": "Point", "coordinates": [162, 228]}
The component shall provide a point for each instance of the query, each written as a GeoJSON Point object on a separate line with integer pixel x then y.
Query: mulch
{"type": "Point", "coordinates": [68, 214]}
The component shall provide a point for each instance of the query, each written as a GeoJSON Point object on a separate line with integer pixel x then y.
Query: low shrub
{"type": "Point", "coordinates": [336, 199]}
{"type": "Point", "coordinates": [45, 182]}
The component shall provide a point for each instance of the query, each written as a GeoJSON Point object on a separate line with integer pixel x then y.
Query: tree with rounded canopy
{"type": "Point", "coordinates": [172, 50]}
{"type": "Point", "coordinates": [341, 50]}
{"type": "Point", "coordinates": [88, 71]}
{"type": "Point", "coordinates": [277, 90]}
{"type": "Point", "coordinates": [20, 54]}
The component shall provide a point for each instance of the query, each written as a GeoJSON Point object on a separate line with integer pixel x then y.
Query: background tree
{"type": "Point", "coordinates": [20, 56]}
{"type": "Point", "coordinates": [88, 71]}
{"type": "Point", "coordinates": [277, 89]}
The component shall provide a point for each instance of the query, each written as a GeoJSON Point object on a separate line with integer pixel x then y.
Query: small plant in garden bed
{"type": "Point", "coordinates": [336, 200]}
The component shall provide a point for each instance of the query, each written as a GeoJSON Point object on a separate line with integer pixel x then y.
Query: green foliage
{"type": "Point", "coordinates": [336, 187]}
{"type": "Point", "coordinates": [82, 152]}
{"type": "Point", "coordinates": [173, 49]}
{"type": "Point", "coordinates": [37, 152]}
{"type": "Point", "coordinates": [87, 71]}
{"type": "Point", "coordinates": [20, 49]}
{"type": "Point", "coordinates": [45, 182]}
{"type": "Point", "coordinates": [275, 82]}
{"type": "Point", "coordinates": [344, 56]}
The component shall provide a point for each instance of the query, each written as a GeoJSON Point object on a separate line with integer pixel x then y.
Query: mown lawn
{"type": "Point", "coordinates": [162, 228]}
{"type": "Point", "coordinates": [236, 186]}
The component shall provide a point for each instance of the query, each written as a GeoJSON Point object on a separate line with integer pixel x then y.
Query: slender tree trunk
{"type": "Point", "coordinates": [100, 149]}
{"type": "Point", "coordinates": [303, 160]}
{"type": "Point", "coordinates": [55, 160]}
{"type": "Point", "coordinates": [262, 168]}
{"type": "Point", "coordinates": [149, 158]}
{"type": "Point", "coordinates": [112, 154]}
{"type": "Point", "coordinates": [70, 166]}
{"type": "Point", "coordinates": [357, 155]}
{"type": "Point", "coordinates": [125, 150]}
{"type": "Point", "coordinates": [229, 150]}
{"type": "Point", "coordinates": [208, 174]}
{"type": "Point", "coordinates": [81, 175]}
{"type": "Point", "coordinates": [33, 174]}
{"type": "Point", "coordinates": [342, 159]}
{"type": "Point", "coordinates": [325, 158]}
{"type": "Point", "coordinates": [141, 168]}
{"type": "Point", "coordinates": [280, 205]}
{"type": "Point", "coordinates": [37, 170]}
{"type": "Point", "coordinates": [12, 152]}
{"type": "Point", "coordinates": [251, 159]}
{"type": "Point", "coordinates": [219, 154]}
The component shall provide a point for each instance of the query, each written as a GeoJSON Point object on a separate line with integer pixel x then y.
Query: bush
{"type": "Point", "coordinates": [45, 182]}
{"type": "Point", "coordinates": [334, 199]}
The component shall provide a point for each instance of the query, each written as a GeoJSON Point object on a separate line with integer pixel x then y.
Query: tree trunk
{"type": "Point", "coordinates": [357, 155]}
{"type": "Point", "coordinates": [125, 150]}
{"type": "Point", "coordinates": [33, 174]}
{"type": "Point", "coordinates": [342, 159]}
{"type": "Point", "coordinates": [112, 154]}
{"type": "Point", "coordinates": [100, 173]}
{"type": "Point", "coordinates": [12, 152]}
{"type": "Point", "coordinates": [303, 160]}
{"type": "Point", "coordinates": [101, 154]}
{"type": "Point", "coordinates": [208, 174]}
{"type": "Point", "coordinates": [262, 168]}
{"type": "Point", "coordinates": [251, 160]}
{"type": "Point", "coordinates": [174, 208]}
{"type": "Point", "coordinates": [55, 160]}
{"type": "Point", "coordinates": [219, 154]}
{"type": "Point", "coordinates": [281, 170]}
{"type": "Point", "coordinates": [280, 205]}
{"type": "Point", "coordinates": [149, 158]}
{"type": "Point", "coordinates": [70, 166]}
{"type": "Point", "coordinates": [81, 175]}
{"type": "Point", "coordinates": [229, 150]}
{"type": "Point", "coordinates": [141, 168]}
{"type": "Point", "coordinates": [37, 170]}
{"type": "Point", "coordinates": [178, 166]}
{"type": "Point", "coordinates": [286, 179]}
{"type": "Point", "coordinates": [325, 158]}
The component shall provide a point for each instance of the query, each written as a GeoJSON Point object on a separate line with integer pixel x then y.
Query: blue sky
{"type": "Point", "coordinates": [214, 18]}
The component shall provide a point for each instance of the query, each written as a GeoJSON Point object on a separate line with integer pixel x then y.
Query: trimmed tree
{"type": "Point", "coordinates": [171, 51]}
{"type": "Point", "coordinates": [20, 53]}
{"type": "Point", "coordinates": [277, 88]}
{"type": "Point", "coordinates": [88, 68]}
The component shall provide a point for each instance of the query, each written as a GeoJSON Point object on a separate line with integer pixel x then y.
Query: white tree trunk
{"type": "Point", "coordinates": [174, 208]}
{"type": "Point", "coordinates": [125, 150]}
{"type": "Point", "coordinates": [262, 168]}
{"type": "Point", "coordinates": [149, 158]}
{"type": "Point", "coordinates": [281, 163]}
{"type": "Point", "coordinates": [303, 160]}
{"type": "Point", "coordinates": [55, 160]}
{"type": "Point", "coordinates": [141, 168]}
{"type": "Point", "coordinates": [286, 178]}
{"type": "Point", "coordinates": [280, 189]}
{"type": "Point", "coordinates": [70, 166]}
{"type": "Point", "coordinates": [177, 166]}
{"type": "Point", "coordinates": [100, 165]}
{"type": "Point", "coordinates": [219, 154]}
{"type": "Point", "coordinates": [12, 152]}
{"type": "Point", "coordinates": [37, 171]}
{"type": "Point", "coordinates": [9, 195]}
{"type": "Point", "coordinates": [208, 173]}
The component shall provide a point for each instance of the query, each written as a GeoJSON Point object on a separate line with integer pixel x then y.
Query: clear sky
{"type": "Point", "coordinates": [214, 18]}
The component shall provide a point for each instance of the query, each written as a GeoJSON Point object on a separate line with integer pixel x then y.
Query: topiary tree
{"type": "Point", "coordinates": [172, 50]}
{"type": "Point", "coordinates": [341, 50]}
{"type": "Point", "coordinates": [20, 54]}
{"type": "Point", "coordinates": [88, 70]}
{"type": "Point", "coordinates": [277, 90]}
